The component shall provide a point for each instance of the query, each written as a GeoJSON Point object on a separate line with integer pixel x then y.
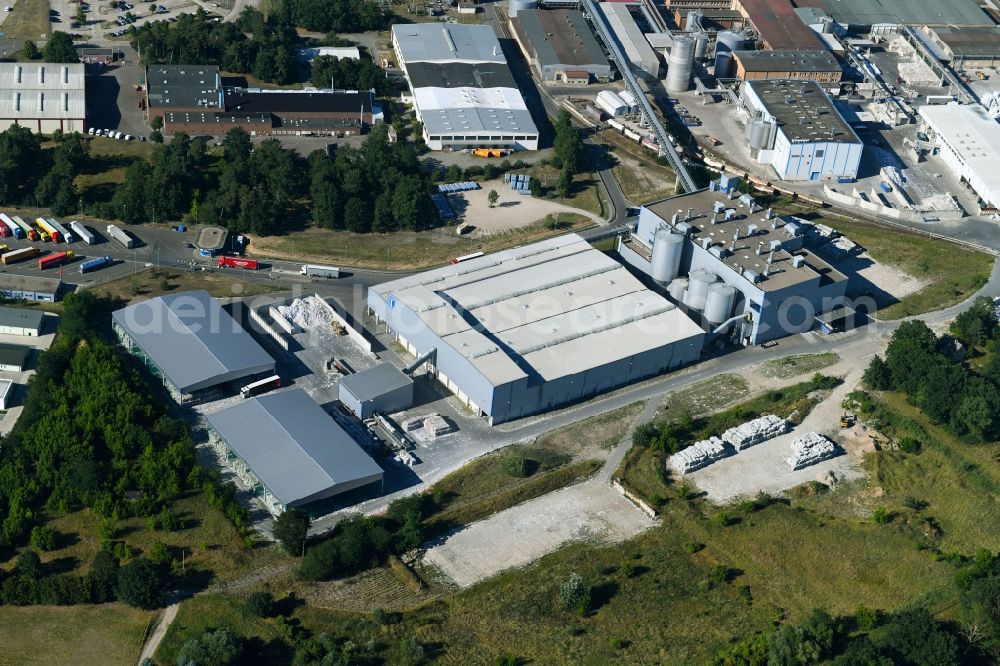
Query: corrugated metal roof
{"type": "Point", "coordinates": [294, 447]}
{"type": "Point", "coordinates": [974, 136]}
{"type": "Point", "coordinates": [447, 42]}
{"type": "Point", "coordinates": [375, 381]}
{"type": "Point", "coordinates": [561, 37]}
{"type": "Point", "coordinates": [21, 317]}
{"type": "Point", "coordinates": [193, 340]}
{"type": "Point", "coordinates": [923, 12]}
{"type": "Point", "coordinates": [14, 355]}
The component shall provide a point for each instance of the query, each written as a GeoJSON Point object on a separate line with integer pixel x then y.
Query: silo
{"type": "Point", "coordinates": [700, 46]}
{"type": "Point", "coordinates": [693, 21]}
{"type": "Point", "coordinates": [725, 66]}
{"type": "Point", "coordinates": [677, 289]}
{"type": "Point", "coordinates": [667, 249]}
{"type": "Point", "coordinates": [719, 303]}
{"type": "Point", "coordinates": [758, 134]}
{"type": "Point", "coordinates": [517, 5]}
{"type": "Point", "coordinates": [698, 283]}
{"type": "Point", "coordinates": [679, 64]}
{"type": "Point", "coordinates": [730, 40]}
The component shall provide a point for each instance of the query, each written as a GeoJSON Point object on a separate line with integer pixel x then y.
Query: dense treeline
{"type": "Point", "coordinates": [347, 74]}
{"type": "Point", "coordinates": [262, 46]}
{"type": "Point", "coordinates": [934, 377]}
{"type": "Point", "coordinates": [567, 152]}
{"type": "Point", "coordinates": [35, 177]}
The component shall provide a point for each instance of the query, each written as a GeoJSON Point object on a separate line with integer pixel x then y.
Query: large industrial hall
{"type": "Point", "coordinates": [190, 342]}
{"type": "Point", "coordinates": [528, 329]}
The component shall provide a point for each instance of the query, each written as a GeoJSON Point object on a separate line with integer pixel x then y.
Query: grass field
{"type": "Point", "coordinates": [954, 272]}
{"type": "Point", "coordinates": [583, 194]}
{"type": "Point", "coordinates": [29, 20]}
{"type": "Point", "coordinates": [793, 366]}
{"type": "Point", "coordinates": [155, 282]}
{"type": "Point", "coordinates": [403, 250]}
{"type": "Point", "coordinates": [706, 396]}
{"type": "Point", "coordinates": [107, 634]}
{"type": "Point", "coordinates": [641, 178]}
{"type": "Point", "coordinates": [110, 160]}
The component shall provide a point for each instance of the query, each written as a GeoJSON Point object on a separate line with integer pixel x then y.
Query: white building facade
{"type": "Point", "coordinates": [969, 141]}
{"type": "Point", "coordinates": [43, 97]}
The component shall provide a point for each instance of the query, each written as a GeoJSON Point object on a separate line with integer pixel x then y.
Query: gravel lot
{"type": "Point", "coordinates": [512, 211]}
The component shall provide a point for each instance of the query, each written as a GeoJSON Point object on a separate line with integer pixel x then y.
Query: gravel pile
{"type": "Point", "coordinates": [698, 455]}
{"type": "Point", "coordinates": [307, 313]}
{"type": "Point", "coordinates": [754, 432]}
{"type": "Point", "coordinates": [810, 449]}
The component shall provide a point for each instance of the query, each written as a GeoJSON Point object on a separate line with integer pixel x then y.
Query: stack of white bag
{"type": "Point", "coordinates": [810, 449]}
{"type": "Point", "coordinates": [753, 432]}
{"type": "Point", "coordinates": [699, 455]}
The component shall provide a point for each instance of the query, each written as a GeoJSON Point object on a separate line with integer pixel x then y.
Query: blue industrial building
{"type": "Point", "coordinates": [738, 268]}
{"type": "Point", "coordinates": [531, 328]}
{"type": "Point", "coordinates": [30, 288]}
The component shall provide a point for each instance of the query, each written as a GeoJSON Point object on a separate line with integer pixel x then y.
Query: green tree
{"type": "Point", "coordinates": [977, 325]}
{"type": "Point", "coordinates": [140, 584]}
{"type": "Point", "coordinates": [156, 123]}
{"type": "Point", "coordinates": [218, 647]}
{"type": "Point", "coordinates": [259, 604]}
{"type": "Point", "coordinates": [60, 48]}
{"type": "Point", "coordinates": [28, 564]}
{"type": "Point", "coordinates": [575, 594]}
{"type": "Point", "coordinates": [493, 197]}
{"type": "Point", "coordinates": [103, 577]}
{"type": "Point", "coordinates": [29, 51]}
{"type": "Point", "coordinates": [290, 529]}
{"type": "Point", "coordinates": [877, 375]}
{"type": "Point", "coordinates": [43, 538]}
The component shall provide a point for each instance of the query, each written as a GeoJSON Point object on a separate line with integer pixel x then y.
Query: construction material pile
{"type": "Point", "coordinates": [436, 425]}
{"type": "Point", "coordinates": [810, 449]}
{"type": "Point", "coordinates": [754, 432]}
{"type": "Point", "coordinates": [307, 313]}
{"type": "Point", "coordinates": [699, 454]}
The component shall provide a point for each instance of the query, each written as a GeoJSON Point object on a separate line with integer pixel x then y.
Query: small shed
{"type": "Point", "coordinates": [14, 358]}
{"type": "Point", "coordinates": [383, 388]}
{"type": "Point", "coordinates": [19, 321]}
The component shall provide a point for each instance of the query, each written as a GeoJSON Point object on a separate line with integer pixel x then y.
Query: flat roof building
{"type": "Point", "coordinates": [974, 48]}
{"type": "Point", "coordinates": [733, 266]}
{"type": "Point", "coordinates": [815, 65]}
{"type": "Point", "coordinates": [559, 40]}
{"type": "Point", "coordinates": [462, 88]}
{"type": "Point", "coordinates": [796, 129]}
{"type": "Point", "coordinates": [338, 52]}
{"type": "Point", "coordinates": [14, 358]}
{"type": "Point", "coordinates": [18, 321]}
{"type": "Point", "coordinates": [969, 138]}
{"type": "Point", "coordinates": [43, 97]}
{"type": "Point", "coordinates": [291, 452]}
{"type": "Point", "coordinates": [181, 88]}
{"type": "Point", "coordinates": [30, 288]}
{"type": "Point", "coordinates": [779, 27]}
{"type": "Point", "coordinates": [880, 15]}
{"type": "Point", "coordinates": [633, 44]}
{"type": "Point", "coordinates": [190, 342]}
{"type": "Point", "coordinates": [528, 329]}
{"type": "Point", "coordinates": [383, 388]}
{"type": "Point", "coordinates": [6, 393]}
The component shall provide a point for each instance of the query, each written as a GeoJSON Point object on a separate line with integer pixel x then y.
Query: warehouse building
{"type": "Point", "coordinates": [462, 88]}
{"type": "Point", "coordinates": [14, 358]}
{"type": "Point", "coordinates": [740, 270]}
{"type": "Point", "coordinates": [383, 388]}
{"type": "Point", "coordinates": [43, 97]}
{"type": "Point", "coordinates": [535, 327]}
{"type": "Point", "coordinates": [182, 88]}
{"type": "Point", "coordinates": [880, 16]}
{"type": "Point", "coordinates": [30, 288]}
{"type": "Point", "coordinates": [18, 321]}
{"type": "Point", "coordinates": [779, 27]}
{"type": "Point", "coordinates": [796, 129]}
{"type": "Point", "coordinates": [291, 452]}
{"type": "Point", "coordinates": [338, 52]}
{"type": "Point", "coordinates": [560, 45]}
{"type": "Point", "coordinates": [191, 343]}
{"type": "Point", "coordinates": [626, 32]}
{"type": "Point", "coordinates": [974, 48]}
{"type": "Point", "coordinates": [969, 141]}
{"type": "Point", "coordinates": [819, 66]}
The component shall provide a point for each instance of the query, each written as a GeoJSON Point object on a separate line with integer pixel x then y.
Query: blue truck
{"type": "Point", "coordinates": [94, 264]}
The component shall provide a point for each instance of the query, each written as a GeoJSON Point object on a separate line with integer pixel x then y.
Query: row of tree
{"type": "Point", "coordinates": [59, 48]}
{"type": "Point", "coordinates": [931, 373]}
{"type": "Point", "coordinates": [567, 152]}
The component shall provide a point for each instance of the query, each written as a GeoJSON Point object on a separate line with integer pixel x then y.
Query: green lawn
{"type": "Point", "coordinates": [29, 20]}
{"type": "Point", "coordinates": [109, 634]}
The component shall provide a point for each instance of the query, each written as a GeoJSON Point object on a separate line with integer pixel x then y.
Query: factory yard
{"type": "Point", "coordinates": [512, 211]}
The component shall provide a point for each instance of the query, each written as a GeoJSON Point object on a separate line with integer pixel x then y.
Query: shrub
{"type": "Point", "coordinates": [721, 519]}
{"type": "Point", "coordinates": [910, 445]}
{"type": "Point", "coordinates": [693, 547]}
{"type": "Point", "coordinates": [259, 604]}
{"type": "Point", "coordinates": [517, 466]}
{"type": "Point", "coordinates": [880, 516]}
{"type": "Point", "coordinates": [720, 573]}
{"type": "Point", "coordinates": [43, 538]}
{"type": "Point", "coordinates": [575, 595]}
{"type": "Point", "coordinates": [685, 491]}
{"type": "Point", "coordinates": [865, 618]}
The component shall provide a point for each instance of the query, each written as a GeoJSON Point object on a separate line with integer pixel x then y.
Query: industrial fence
{"type": "Point", "coordinates": [285, 325]}
{"type": "Point", "coordinates": [353, 333]}
{"type": "Point", "coordinates": [270, 330]}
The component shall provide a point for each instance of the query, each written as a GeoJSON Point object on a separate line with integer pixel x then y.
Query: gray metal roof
{"type": "Point", "coordinates": [923, 12]}
{"type": "Point", "coordinates": [375, 381]}
{"type": "Point", "coordinates": [193, 340]}
{"type": "Point", "coordinates": [803, 110]}
{"type": "Point", "coordinates": [460, 75]}
{"type": "Point", "coordinates": [788, 61]}
{"type": "Point", "coordinates": [17, 282]}
{"type": "Point", "coordinates": [294, 447]}
{"type": "Point", "coordinates": [21, 317]}
{"type": "Point", "coordinates": [183, 86]}
{"type": "Point", "coordinates": [447, 42]}
{"type": "Point", "coordinates": [14, 355]}
{"type": "Point", "coordinates": [560, 37]}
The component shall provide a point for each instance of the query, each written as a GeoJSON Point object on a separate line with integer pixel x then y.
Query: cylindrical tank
{"type": "Point", "coordinates": [693, 21]}
{"type": "Point", "coordinates": [700, 46]}
{"type": "Point", "coordinates": [757, 134]}
{"type": "Point", "coordinates": [698, 283]}
{"type": "Point", "coordinates": [517, 5]}
{"type": "Point", "coordinates": [667, 250]}
{"type": "Point", "coordinates": [725, 66]}
{"type": "Point", "coordinates": [680, 64]}
{"type": "Point", "coordinates": [730, 40]}
{"type": "Point", "coordinates": [719, 303]}
{"type": "Point", "coordinates": [677, 289]}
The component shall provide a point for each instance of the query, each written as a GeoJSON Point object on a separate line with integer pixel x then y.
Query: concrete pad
{"type": "Point", "coordinates": [591, 510]}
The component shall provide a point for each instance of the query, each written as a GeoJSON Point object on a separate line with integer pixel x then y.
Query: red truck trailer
{"type": "Point", "coordinates": [54, 259]}
{"type": "Point", "coordinates": [238, 262]}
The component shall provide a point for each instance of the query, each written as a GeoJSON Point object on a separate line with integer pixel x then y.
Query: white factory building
{"type": "Point", "coordinates": [43, 97]}
{"type": "Point", "coordinates": [462, 88]}
{"type": "Point", "coordinates": [969, 138]}
{"type": "Point", "coordinates": [626, 32]}
{"type": "Point", "coordinates": [795, 128]}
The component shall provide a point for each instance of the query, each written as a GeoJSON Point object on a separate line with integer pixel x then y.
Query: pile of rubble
{"type": "Point", "coordinates": [698, 455]}
{"type": "Point", "coordinates": [754, 432]}
{"type": "Point", "coordinates": [307, 313]}
{"type": "Point", "coordinates": [810, 449]}
{"type": "Point", "coordinates": [428, 428]}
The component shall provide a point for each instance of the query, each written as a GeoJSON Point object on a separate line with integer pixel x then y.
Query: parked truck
{"type": "Point", "coordinates": [29, 231]}
{"type": "Point", "coordinates": [67, 237]}
{"type": "Point", "coordinates": [12, 228]}
{"type": "Point", "coordinates": [121, 236]}
{"type": "Point", "coordinates": [83, 232]}
{"type": "Point", "coordinates": [238, 262]}
{"type": "Point", "coordinates": [15, 256]}
{"type": "Point", "coordinates": [315, 270]}
{"type": "Point", "coordinates": [94, 264]}
{"type": "Point", "coordinates": [54, 259]}
{"type": "Point", "coordinates": [48, 231]}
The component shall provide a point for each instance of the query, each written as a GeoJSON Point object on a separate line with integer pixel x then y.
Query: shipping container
{"type": "Point", "coordinates": [54, 259]}
{"type": "Point", "coordinates": [12, 228]}
{"type": "Point", "coordinates": [238, 262]}
{"type": "Point", "coordinates": [261, 386]}
{"type": "Point", "coordinates": [47, 232]}
{"type": "Point", "coordinates": [121, 236]}
{"type": "Point", "coordinates": [19, 255]}
{"type": "Point", "coordinates": [94, 264]}
{"type": "Point", "coordinates": [83, 232]}
{"type": "Point", "coordinates": [27, 230]}
{"type": "Point", "coordinates": [316, 270]}
{"type": "Point", "coordinates": [67, 237]}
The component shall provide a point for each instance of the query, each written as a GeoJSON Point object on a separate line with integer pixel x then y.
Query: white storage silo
{"type": "Point", "coordinates": [517, 5]}
{"type": "Point", "coordinates": [731, 40]}
{"type": "Point", "coordinates": [719, 303]}
{"type": "Point", "coordinates": [693, 21]}
{"type": "Point", "coordinates": [700, 46]}
{"type": "Point", "coordinates": [666, 260]}
{"type": "Point", "coordinates": [611, 103]}
{"type": "Point", "coordinates": [680, 64]}
{"type": "Point", "coordinates": [758, 134]}
{"type": "Point", "coordinates": [725, 66]}
{"type": "Point", "coordinates": [698, 283]}
{"type": "Point", "coordinates": [677, 289]}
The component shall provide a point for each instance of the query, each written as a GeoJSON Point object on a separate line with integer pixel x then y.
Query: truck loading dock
{"type": "Point", "coordinates": [383, 388]}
